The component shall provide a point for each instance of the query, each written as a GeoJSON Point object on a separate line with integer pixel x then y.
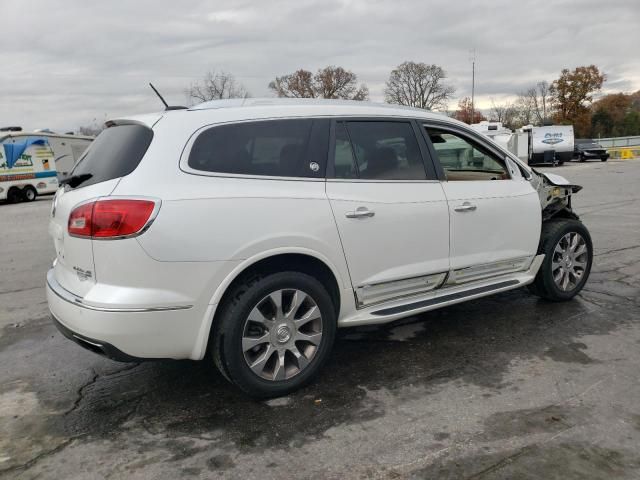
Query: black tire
{"type": "Point", "coordinates": [29, 193]}
{"type": "Point", "coordinates": [582, 159]}
{"type": "Point", "coordinates": [226, 340]}
{"type": "Point", "coordinates": [553, 231]}
{"type": "Point", "coordinates": [604, 159]}
{"type": "Point", "coordinates": [14, 195]}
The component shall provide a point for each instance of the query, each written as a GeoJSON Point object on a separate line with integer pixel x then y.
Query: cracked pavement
{"type": "Point", "coordinates": [504, 387]}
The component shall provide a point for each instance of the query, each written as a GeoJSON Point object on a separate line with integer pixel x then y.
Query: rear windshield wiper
{"type": "Point", "coordinates": [74, 180]}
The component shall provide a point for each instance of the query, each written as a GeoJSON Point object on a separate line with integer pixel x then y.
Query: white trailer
{"type": "Point", "coordinates": [516, 142]}
{"type": "Point", "coordinates": [550, 144]}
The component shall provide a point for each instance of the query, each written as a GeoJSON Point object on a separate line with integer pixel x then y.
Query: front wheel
{"type": "Point", "coordinates": [29, 193]}
{"type": "Point", "coordinates": [568, 251]}
{"type": "Point", "coordinates": [604, 159]}
{"type": "Point", "coordinates": [274, 333]}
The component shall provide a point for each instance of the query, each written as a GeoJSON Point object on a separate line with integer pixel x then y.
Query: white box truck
{"type": "Point", "coordinates": [27, 168]}
{"type": "Point", "coordinates": [31, 163]}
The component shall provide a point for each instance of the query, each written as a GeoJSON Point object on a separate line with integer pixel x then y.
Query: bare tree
{"type": "Point", "coordinates": [507, 113]}
{"type": "Point", "coordinates": [329, 82]}
{"type": "Point", "coordinates": [523, 109]}
{"type": "Point", "coordinates": [216, 86]}
{"type": "Point", "coordinates": [418, 85]}
{"type": "Point", "coordinates": [92, 129]}
{"type": "Point", "coordinates": [336, 82]}
{"type": "Point", "coordinates": [298, 84]}
{"type": "Point", "coordinates": [540, 98]}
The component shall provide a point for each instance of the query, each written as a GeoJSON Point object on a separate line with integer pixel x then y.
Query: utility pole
{"type": "Point", "coordinates": [473, 83]}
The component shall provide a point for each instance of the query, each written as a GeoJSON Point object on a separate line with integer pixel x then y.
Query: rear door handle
{"type": "Point", "coordinates": [360, 212]}
{"type": "Point", "coordinates": [465, 207]}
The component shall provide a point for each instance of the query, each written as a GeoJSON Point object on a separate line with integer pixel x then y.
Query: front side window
{"type": "Point", "coordinates": [279, 148]}
{"type": "Point", "coordinates": [463, 159]}
{"type": "Point", "coordinates": [377, 151]}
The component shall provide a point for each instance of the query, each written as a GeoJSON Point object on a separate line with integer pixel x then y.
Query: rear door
{"type": "Point", "coordinates": [389, 208]}
{"type": "Point", "coordinates": [495, 212]}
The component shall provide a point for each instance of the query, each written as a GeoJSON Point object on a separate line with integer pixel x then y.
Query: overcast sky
{"type": "Point", "coordinates": [66, 63]}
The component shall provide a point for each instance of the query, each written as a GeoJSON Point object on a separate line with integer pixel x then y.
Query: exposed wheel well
{"type": "Point", "coordinates": [290, 262]}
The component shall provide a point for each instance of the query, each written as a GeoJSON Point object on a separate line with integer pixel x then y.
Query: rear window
{"type": "Point", "coordinates": [116, 152]}
{"type": "Point", "coordinates": [279, 148]}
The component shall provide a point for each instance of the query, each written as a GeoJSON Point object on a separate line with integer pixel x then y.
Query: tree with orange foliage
{"type": "Point", "coordinates": [463, 113]}
{"type": "Point", "coordinates": [572, 93]}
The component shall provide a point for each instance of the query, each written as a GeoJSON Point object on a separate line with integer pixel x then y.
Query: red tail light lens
{"type": "Point", "coordinates": [110, 218]}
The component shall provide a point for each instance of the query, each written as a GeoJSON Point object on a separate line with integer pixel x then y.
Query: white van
{"type": "Point", "coordinates": [27, 167]}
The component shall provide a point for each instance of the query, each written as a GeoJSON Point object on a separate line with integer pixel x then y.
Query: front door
{"type": "Point", "coordinates": [495, 212]}
{"type": "Point", "coordinates": [391, 214]}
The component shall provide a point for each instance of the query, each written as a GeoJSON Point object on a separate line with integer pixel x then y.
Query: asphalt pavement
{"type": "Point", "coordinates": [506, 387]}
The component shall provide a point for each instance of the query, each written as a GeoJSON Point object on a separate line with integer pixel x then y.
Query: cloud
{"type": "Point", "coordinates": [67, 63]}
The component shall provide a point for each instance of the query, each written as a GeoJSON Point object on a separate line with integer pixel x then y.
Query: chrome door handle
{"type": "Point", "coordinates": [360, 212]}
{"type": "Point", "coordinates": [465, 207]}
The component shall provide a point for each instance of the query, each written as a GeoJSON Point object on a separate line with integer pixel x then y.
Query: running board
{"type": "Point", "coordinates": [444, 298]}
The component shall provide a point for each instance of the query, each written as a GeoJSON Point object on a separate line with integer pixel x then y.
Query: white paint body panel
{"type": "Point", "coordinates": [210, 228]}
{"type": "Point", "coordinates": [505, 224]}
{"type": "Point", "coordinates": [408, 236]}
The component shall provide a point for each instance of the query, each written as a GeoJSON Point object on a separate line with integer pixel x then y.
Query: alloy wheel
{"type": "Point", "coordinates": [282, 334]}
{"type": "Point", "coordinates": [569, 262]}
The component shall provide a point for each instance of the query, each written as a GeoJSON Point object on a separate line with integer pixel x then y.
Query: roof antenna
{"type": "Point", "coordinates": [167, 106]}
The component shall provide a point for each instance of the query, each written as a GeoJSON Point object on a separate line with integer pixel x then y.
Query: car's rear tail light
{"type": "Point", "coordinates": [111, 218]}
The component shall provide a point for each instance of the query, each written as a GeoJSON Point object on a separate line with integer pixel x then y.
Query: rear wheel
{"type": "Point", "coordinates": [604, 159]}
{"type": "Point", "coordinates": [29, 193]}
{"type": "Point", "coordinates": [568, 251]}
{"type": "Point", "coordinates": [14, 195]}
{"type": "Point", "coordinates": [274, 333]}
{"type": "Point", "coordinates": [582, 158]}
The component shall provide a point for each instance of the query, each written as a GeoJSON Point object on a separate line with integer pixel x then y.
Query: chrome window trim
{"type": "Point", "coordinates": [183, 163]}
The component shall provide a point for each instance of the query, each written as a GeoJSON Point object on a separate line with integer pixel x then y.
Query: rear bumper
{"type": "Point", "coordinates": [97, 346]}
{"type": "Point", "coordinates": [125, 334]}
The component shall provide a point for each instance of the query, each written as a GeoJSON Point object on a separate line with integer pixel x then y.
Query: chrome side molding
{"type": "Point", "coordinates": [69, 297]}
{"type": "Point", "coordinates": [367, 295]}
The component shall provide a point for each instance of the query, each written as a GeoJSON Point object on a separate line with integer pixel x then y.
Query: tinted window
{"type": "Point", "coordinates": [381, 150]}
{"type": "Point", "coordinates": [116, 152]}
{"type": "Point", "coordinates": [282, 148]}
{"type": "Point", "coordinates": [463, 159]}
{"type": "Point", "coordinates": [345, 164]}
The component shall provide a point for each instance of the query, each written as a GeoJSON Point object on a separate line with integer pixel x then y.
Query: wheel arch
{"type": "Point", "coordinates": [297, 259]}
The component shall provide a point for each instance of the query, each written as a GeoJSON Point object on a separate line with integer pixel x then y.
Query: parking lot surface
{"type": "Point", "coordinates": [499, 388]}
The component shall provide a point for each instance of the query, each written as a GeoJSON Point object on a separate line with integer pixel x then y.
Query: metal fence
{"type": "Point", "coordinates": [622, 147]}
{"type": "Point", "coordinates": [619, 142]}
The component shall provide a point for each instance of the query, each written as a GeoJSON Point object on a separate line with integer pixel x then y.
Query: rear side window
{"type": "Point", "coordinates": [378, 151]}
{"type": "Point", "coordinates": [116, 152]}
{"type": "Point", "coordinates": [278, 148]}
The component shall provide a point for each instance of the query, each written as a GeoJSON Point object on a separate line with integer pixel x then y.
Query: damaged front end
{"type": "Point", "coordinates": [555, 195]}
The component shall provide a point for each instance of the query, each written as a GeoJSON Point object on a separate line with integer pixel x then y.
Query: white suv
{"type": "Point", "coordinates": [253, 228]}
